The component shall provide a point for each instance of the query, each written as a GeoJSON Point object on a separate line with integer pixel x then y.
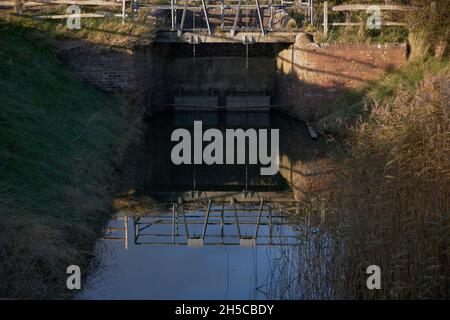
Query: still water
{"type": "Point", "coordinates": [204, 232]}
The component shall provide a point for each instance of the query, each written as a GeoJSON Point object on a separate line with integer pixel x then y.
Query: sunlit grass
{"type": "Point", "coordinates": [60, 144]}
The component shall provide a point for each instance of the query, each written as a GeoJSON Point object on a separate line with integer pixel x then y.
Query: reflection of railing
{"type": "Point", "coordinates": [114, 232]}
{"type": "Point", "coordinates": [209, 222]}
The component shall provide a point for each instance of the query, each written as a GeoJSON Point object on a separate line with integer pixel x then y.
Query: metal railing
{"type": "Point", "coordinates": [208, 222]}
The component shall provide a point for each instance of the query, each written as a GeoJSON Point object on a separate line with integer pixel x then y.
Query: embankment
{"type": "Point", "coordinates": [61, 143]}
{"type": "Point", "coordinates": [391, 206]}
{"type": "Point", "coordinates": [311, 74]}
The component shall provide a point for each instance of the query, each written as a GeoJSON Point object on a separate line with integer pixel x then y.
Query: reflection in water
{"type": "Point", "coordinates": [216, 232]}
{"type": "Point", "coordinates": [156, 172]}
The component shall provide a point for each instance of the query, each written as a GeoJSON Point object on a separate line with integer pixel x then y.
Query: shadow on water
{"type": "Point", "coordinates": [158, 173]}
{"type": "Point", "coordinates": [204, 232]}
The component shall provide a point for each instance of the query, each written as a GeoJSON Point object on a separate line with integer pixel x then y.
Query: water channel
{"type": "Point", "coordinates": [206, 231]}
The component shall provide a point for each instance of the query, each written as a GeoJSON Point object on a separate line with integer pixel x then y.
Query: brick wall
{"type": "Point", "coordinates": [310, 74]}
{"type": "Point", "coordinates": [118, 70]}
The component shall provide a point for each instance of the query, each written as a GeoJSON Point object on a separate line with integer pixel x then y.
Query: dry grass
{"type": "Point", "coordinates": [395, 212]}
{"type": "Point", "coordinates": [60, 148]}
{"type": "Point", "coordinates": [390, 206]}
{"type": "Point", "coordinates": [34, 252]}
{"type": "Point", "coordinates": [110, 31]}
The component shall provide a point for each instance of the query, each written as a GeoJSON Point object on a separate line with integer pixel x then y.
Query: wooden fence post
{"type": "Point", "coordinates": [325, 18]}
{"type": "Point", "coordinates": [18, 6]}
{"type": "Point", "coordinates": [123, 11]}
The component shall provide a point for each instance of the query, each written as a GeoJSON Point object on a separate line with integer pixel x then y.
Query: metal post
{"type": "Point", "coordinates": [270, 223]}
{"type": "Point", "coordinates": [123, 11]}
{"type": "Point", "coordinates": [136, 229]}
{"type": "Point", "coordinates": [236, 18]}
{"type": "Point", "coordinates": [175, 15]}
{"type": "Point", "coordinates": [222, 14]}
{"type": "Point", "coordinates": [237, 220]}
{"type": "Point", "coordinates": [172, 13]}
{"type": "Point", "coordinates": [205, 10]}
{"type": "Point", "coordinates": [176, 221]}
{"type": "Point", "coordinates": [183, 17]}
{"type": "Point", "coordinates": [185, 223]}
{"type": "Point", "coordinates": [221, 223]}
{"type": "Point", "coordinates": [325, 18]}
{"type": "Point", "coordinates": [271, 16]}
{"type": "Point", "coordinates": [205, 225]}
{"type": "Point", "coordinates": [260, 18]}
{"type": "Point", "coordinates": [125, 221]}
{"type": "Point", "coordinates": [173, 223]}
{"type": "Point", "coordinates": [261, 205]}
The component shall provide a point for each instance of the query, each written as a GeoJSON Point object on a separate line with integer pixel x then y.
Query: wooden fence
{"type": "Point", "coordinates": [361, 7]}
{"type": "Point", "coordinates": [19, 5]}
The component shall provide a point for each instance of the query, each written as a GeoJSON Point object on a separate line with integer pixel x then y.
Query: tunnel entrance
{"type": "Point", "coordinates": [222, 76]}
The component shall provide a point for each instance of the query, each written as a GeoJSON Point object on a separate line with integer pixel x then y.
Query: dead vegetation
{"type": "Point", "coordinates": [61, 145]}
{"type": "Point", "coordinates": [394, 210]}
{"type": "Point", "coordinates": [108, 31]}
{"type": "Point", "coordinates": [390, 204]}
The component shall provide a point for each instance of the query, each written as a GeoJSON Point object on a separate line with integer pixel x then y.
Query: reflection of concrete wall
{"type": "Point", "coordinates": [221, 73]}
{"type": "Point", "coordinates": [310, 73]}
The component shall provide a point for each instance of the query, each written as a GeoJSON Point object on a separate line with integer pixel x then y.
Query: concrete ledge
{"type": "Point", "coordinates": [225, 37]}
{"type": "Point", "coordinates": [195, 243]}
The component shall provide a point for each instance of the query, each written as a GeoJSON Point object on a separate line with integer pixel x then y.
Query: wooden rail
{"type": "Point", "coordinates": [81, 15]}
{"type": "Point", "coordinates": [81, 3]}
{"type": "Point", "coordinates": [361, 7]}
{"type": "Point", "coordinates": [383, 7]}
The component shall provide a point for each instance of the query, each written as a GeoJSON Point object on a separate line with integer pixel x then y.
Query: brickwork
{"type": "Point", "coordinates": [117, 70]}
{"type": "Point", "coordinates": [310, 74]}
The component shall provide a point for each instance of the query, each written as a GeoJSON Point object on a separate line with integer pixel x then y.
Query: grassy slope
{"type": "Point", "coordinates": [110, 31]}
{"type": "Point", "coordinates": [59, 139]}
{"type": "Point", "coordinates": [339, 115]}
{"type": "Point", "coordinates": [392, 208]}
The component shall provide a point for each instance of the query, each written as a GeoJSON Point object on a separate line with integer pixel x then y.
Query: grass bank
{"type": "Point", "coordinates": [61, 142]}
{"type": "Point", "coordinates": [108, 31]}
{"type": "Point", "coordinates": [391, 205]}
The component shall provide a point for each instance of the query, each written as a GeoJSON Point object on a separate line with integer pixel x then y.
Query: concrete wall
{"type": "Point", "coordinates": [221, 73]}
{"type": "Point", "coordinates": [303, 76]}
{"type": "Point", "coordinates": [310, 74]}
